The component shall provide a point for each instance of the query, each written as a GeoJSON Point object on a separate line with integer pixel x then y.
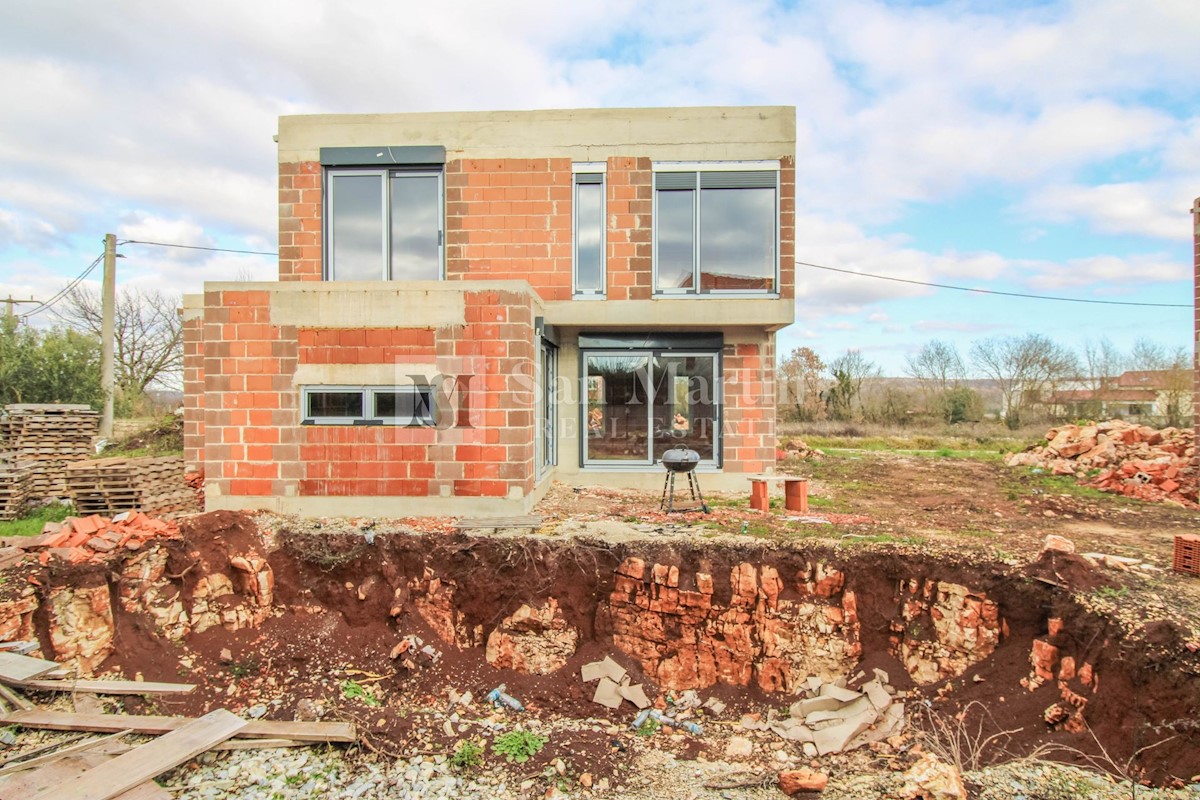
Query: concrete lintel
{"type": "Point", "coordinates": [680, 313]}
{"type": "Point", "coordinates": [593, 134]}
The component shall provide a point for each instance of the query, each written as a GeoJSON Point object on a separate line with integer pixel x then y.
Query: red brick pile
{"type": "Point", "coordinates": [93, 539]}
{"type": "Point", "coordinates": [1134, 460]}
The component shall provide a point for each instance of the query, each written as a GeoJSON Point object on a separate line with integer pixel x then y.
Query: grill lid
{"type": "Point", "coordinates": [680, 459]}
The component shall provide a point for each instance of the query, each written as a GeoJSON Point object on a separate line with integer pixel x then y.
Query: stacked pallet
{"type": "Point", "coordinates": [110, 485]}
{"type": "Point", "coordinates": [50, 437]}
{"type": "Point", "coordinates": [14, 487]}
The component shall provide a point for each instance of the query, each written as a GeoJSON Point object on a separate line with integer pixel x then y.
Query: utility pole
{"type": "Point", "coordinates": [108, 313]}
{"type": "Point", "coordinates": [11, 303]}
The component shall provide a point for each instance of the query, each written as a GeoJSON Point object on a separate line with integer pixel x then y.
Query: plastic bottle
{"type": "Point", "coordinates": [498, 698]}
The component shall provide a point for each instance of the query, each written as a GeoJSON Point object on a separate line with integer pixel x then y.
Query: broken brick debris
{"type": "Point", "coordinates": [1135, 460]}
{"type": "Point", "coordinates": [93, 538]}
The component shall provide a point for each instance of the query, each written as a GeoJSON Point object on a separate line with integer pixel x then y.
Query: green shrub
{"type": "Point", "coordinates": [467, 755]}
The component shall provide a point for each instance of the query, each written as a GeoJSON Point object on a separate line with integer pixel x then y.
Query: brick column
{"type": "Point", "coordinates": [1196, 327]}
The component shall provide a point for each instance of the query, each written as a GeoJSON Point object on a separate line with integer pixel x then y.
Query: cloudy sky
{"type": "Point", "coordinates": [1032, 147]}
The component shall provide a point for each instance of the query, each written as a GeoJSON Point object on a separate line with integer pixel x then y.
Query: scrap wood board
{"type": "Point", "coordinates": [27, 784]}
{"type": "Point", "coordinates": [107, 687]}
{"type": "Point", "coordinates": [110, 723]}
{"type": "Point", "coordinates": [145, 762]}
{"type": "Point", "coordinates": [21, 668]}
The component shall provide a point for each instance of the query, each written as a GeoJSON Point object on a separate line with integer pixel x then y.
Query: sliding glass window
{"type": "Point", "coordinates": [383, 224]}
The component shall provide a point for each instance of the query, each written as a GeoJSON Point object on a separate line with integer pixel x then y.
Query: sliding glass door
{"type": "Point", "coordinates": [639, 404]}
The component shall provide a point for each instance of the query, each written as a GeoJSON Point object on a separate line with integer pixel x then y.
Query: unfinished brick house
{"type": "Point", "coordinates": [470, 306]}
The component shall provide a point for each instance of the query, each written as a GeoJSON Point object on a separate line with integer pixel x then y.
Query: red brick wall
{"type": "Point", "coordinates": [254, 444]}
{"type": "Point", "coordinates": [630, 228]}
{"type": "Point", "coordinates": [1196, 327]}
{"type": "Point", "coordinates": [749, 394]}
{"type": "Point", "coordinates": [250, 409]}
{"type": "Point", "coordinates": [787, 228]}
{"type": "Point", "coordinates": [193, 394]}
{"type": "Point", "coordinates": [510, 219]}
{"type": "Point", "coordinates": [300, 206]}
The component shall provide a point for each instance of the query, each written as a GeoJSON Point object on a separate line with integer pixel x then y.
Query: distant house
{"type": "Point", "coordinates": [1156, 397]}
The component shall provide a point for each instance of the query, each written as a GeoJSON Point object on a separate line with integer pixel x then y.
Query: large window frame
{"type": "Point", "coordinates": [369, 405]}
{"type": "Point", "coordinates": [386, 177]}
{"type": "Point", "coordinates": [648, 383]}
{"type": "Point", "coordinates": [671, 177]}
{"type": "Point", "coordinates": [589, 177]}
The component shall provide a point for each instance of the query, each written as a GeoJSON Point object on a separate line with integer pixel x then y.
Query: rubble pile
{"type": "Point", "coordinates": [796, 448]}
{"type": "Point", "coordinates": [155, 485]}
{"type": "Point", "coordinates": [1134, 460]}
{"type": "Point", "coordinates": [831, 718]}
{"type": "Point", "coordinates": [94, 538]}
{"type": "Point", "coordinates": [49, 436]}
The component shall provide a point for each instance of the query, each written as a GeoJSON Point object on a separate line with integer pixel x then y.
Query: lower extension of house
{"type": "Point", "coordinates": [473, 305]}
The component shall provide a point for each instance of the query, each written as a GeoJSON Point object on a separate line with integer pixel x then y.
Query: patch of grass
{"type": "Point", "coordinates": [1031, 483]}
{"type": "Point", "coordinates": [518, 746]}
{"type": "Point", "coordinates": [979, 534]}
{"type": "Point", "coordinates": [244, 669]}
{"type": "Point", "coordinates": [32, 523]}
{"type": "Point", "coordinates": [1110, 593]}
{"type": "Point", "coordinates": [884, 538]}
{"type": "Point", "coordinates": [353, 690]}
{"type": "Point", "coordinates": [468, 755]}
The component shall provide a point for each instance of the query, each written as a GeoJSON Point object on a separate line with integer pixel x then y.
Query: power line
{"type": "Point", "coordinates": [198, 247]}
{"type": "Point", "coordinates": [996, 291]}
{"type": "Point", "coordinates": [62, 293]}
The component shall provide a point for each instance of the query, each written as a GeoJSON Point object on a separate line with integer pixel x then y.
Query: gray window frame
{"type": "Point", "coordinates": [385, 174]}
{"type": "Point", "coordinates": [368, 405]}
{"type": "Point", "coordinates": [698, 169]}
{"type": "Point", "coordinates": [652, 352]}
{"type": "Point", "coordinates": [591, 170]}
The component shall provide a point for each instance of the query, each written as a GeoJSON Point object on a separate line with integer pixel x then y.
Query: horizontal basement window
{"type": "Point", "coordinates": [367, 405]}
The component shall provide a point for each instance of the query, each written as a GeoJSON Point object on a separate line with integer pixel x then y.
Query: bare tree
{"type": "Point", "coordinates": [849, 370]}
{"type": "Point", "coordinates": [1024, 368]}
{"type": "Point", "coordinates": [800, 382]}
{"type": "Point", "coordinates": [149, 335]}
{"type": "Point", "coordinates": [937, 366]}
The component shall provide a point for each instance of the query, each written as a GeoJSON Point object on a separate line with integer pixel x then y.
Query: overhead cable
{"type": "Point", "coordinates": [994, 291]}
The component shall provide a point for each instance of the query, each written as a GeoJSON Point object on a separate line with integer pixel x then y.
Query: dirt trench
{"type": "Point", "coordinates": [285, 618]}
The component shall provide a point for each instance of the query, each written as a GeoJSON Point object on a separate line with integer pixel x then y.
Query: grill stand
{"type": "Point", "coordinates": [668, 503]}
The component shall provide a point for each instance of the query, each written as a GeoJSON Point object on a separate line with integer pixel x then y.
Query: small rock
{"type": "Point", "coordinates": [793, 781]}
{"type": "Point", "coordinates": [739, 747]}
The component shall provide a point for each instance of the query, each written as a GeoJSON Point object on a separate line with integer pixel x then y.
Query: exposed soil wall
{"type": "Point", "coordinates": [280, 619]}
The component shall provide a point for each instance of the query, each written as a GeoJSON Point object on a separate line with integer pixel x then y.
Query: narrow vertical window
{"type": "Point", "coordinates": [588, 238]}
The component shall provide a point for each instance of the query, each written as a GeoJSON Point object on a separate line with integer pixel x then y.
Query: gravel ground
{"type": "Point", "coordinates": [314, 772]}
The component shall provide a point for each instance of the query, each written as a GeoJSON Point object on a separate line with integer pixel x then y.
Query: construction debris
{"type": "Point", "coordinates": [614, 684]}
{"type": "Point", "coordinates": [93, 538]}
{"type": "Point", "coordinates": [1134, 460]}
{"type": "Point", "coordinates": [834, 719]}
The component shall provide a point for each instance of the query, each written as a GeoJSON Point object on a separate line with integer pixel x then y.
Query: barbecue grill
{"type": "Point", "coordinates": [681, 460]}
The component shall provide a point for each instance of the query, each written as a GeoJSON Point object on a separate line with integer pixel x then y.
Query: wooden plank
{"type": "Point", "coordinates": [108, 687]}
{"type": "Point", "coordinates": [258, 744]}
{"type": "Point", "coordinates": [143, 763]}
{"type": "Point", "coordinates": [108, 723]}
{"type": "Point", "coordinates": [15, 699]}
{"type": "Point", "coordinates": [500, 522]}
{"type": "Point", "coordinates": [71, 749]}
{"type": "Point", "coordinates": [25, 784]}
{"type": "Point", "coordinates": [21, 668]}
